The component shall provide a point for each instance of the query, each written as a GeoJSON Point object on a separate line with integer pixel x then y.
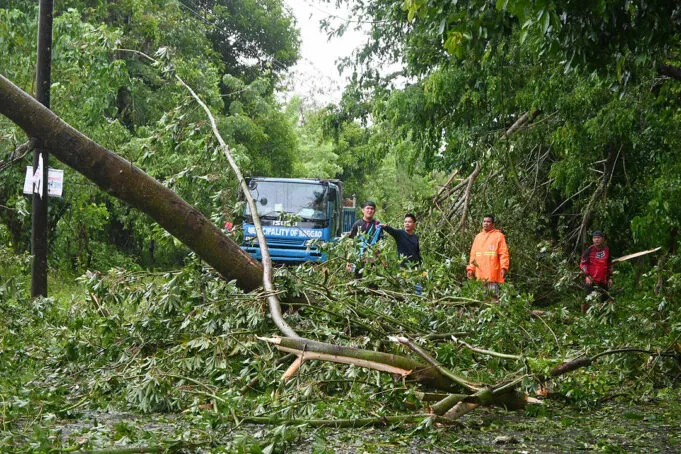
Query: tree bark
{"type": "Point", "coordinates": [123, 180]}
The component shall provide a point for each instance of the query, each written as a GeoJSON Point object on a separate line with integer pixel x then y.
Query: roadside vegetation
{"type": "Point", "coordinates": [558, 121]}
{"type": "Point", "coordinates": [171, 360]}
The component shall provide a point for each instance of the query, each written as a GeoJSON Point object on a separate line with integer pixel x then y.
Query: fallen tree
{"type": "Point", "coordinates": [429, 373]}
{"type": "Point", "coordinates": [123, 180]}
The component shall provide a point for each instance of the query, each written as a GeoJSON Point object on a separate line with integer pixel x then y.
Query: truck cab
{"type": "Point", "coordinates": [296, 215]}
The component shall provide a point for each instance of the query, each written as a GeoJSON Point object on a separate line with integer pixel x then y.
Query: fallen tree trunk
{"type": "Point", "coordinates": [432, 374]}
{"type": "Point", "coordinates": [309, 349]}
{"type": "Point", "coordinates": [123, 180]}
{"type": "Point", "coordinates": [510, 398]}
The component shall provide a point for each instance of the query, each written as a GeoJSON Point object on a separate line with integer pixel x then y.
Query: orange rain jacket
{"type": "Point", "coordinates": [489, 255]}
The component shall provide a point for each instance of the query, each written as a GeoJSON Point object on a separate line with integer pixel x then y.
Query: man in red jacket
{"type": "Point", "coordinates": [596, 264]}
{"type": "Point", "coordinates": [489, 259]}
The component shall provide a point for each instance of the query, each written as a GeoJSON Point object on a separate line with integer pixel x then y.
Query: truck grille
{"type": "Point", "coordinates": [286, 242]}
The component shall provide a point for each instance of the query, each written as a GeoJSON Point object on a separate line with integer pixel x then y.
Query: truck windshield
{"type": "Point", "coordinates": [304, 200]}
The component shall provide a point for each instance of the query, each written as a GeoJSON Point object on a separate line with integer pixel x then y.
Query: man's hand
{"type": "Point", "coordinates": [609, 282]}
{"type": "Point", "coordinates": [588, 280]}
{"type": "Point", "coordinates": [503, 273]}
{"type": "Point", "coordinates": [349, 267]}
{"type": "Point", "coordinates": [469, 274]}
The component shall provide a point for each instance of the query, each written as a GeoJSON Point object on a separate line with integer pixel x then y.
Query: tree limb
{"type": "Point", "coordinates": [385, 362]}
{"type": "Point", "coordinates": [455, 378]}
{"type": "Point", "coordinates": [486, 352]}
{"type": "Point", "coordinates": [608, 169]}
{"type": "Point", "coordinates": [268, 284]}
{"type": "Point", "coordinates": [467, 195]}
{"type": "Point", "coordinates": [19, 153]}
{"type": "Point", "coordinates": [569, 366]}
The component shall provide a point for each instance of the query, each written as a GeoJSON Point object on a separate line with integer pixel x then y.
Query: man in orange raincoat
{"type": "Point", "coordinates": [489, 258]}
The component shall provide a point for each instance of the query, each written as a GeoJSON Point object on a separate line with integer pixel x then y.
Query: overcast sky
{"type": "Point", "coordinates": [316, 76]}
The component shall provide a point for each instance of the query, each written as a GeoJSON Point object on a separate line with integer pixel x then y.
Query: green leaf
{"type": "Point", "coordinates": [545, 21]}
{"type": "Point", "coordinates": [523, 35]}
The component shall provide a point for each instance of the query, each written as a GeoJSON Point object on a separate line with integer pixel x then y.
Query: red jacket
{"type": "Point", "coordinates": [597, 264]}
{"type": "Point", "coordinates": [489, 255]}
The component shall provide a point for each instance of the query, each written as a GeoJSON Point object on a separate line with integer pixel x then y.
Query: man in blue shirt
{"type": "Point", "coordinates": [368, 229]}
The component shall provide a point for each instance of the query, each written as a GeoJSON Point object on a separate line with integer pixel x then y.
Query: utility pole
{"type": "Point", "coordinates": [43, 80]}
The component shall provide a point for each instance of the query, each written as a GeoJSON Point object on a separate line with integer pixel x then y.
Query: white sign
{"type": "Point", "coordinates": [34, 181]}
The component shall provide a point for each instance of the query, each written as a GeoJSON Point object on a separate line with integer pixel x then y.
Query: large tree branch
{"type": "Point", "coordinates": [386, 362]}
{"type": "Point", "coordinates": [123, 180]}
{"type": "Point", "coordinates": [267, 274]}
{"type": "Point", "coordinates": [521, 123]}
{"type": "Point", "coordinates": [419, 351]}
{"type": "Point", "coordinates": [585, 361]}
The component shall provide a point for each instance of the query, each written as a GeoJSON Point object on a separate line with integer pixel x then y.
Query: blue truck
{"type": "Point", "coordinates": [296, 215]}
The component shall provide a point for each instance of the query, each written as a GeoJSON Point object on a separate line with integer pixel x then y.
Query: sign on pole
{"type": "Point", "coordinates": [33, 183]}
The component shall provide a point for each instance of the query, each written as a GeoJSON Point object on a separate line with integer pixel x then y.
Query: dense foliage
{"type": "Point", "coordinates": [560, 117]}
{"type": "Point", "coordinates": [568, 109]}
{"type": "Point", "coordinates": [184, 343]}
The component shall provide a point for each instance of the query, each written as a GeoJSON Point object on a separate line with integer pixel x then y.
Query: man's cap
{"type": "Point", "coordinates": [598, 233]}
{"type": "Point", "coordinates": [369, 203]}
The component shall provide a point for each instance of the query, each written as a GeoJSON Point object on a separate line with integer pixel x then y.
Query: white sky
{"type": "Point", "coordinates": [315, 76]}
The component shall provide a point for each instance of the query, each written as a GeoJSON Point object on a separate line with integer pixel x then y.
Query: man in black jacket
{"type": "Point", "coordinates": [407, 241]}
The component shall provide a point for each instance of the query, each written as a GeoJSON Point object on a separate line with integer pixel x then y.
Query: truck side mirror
{"type": "Point", "coordinates": [331, 194]}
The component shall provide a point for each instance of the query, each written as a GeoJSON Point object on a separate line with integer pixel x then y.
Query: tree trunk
{"type": "Point", "coordinates": [124, 181]}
